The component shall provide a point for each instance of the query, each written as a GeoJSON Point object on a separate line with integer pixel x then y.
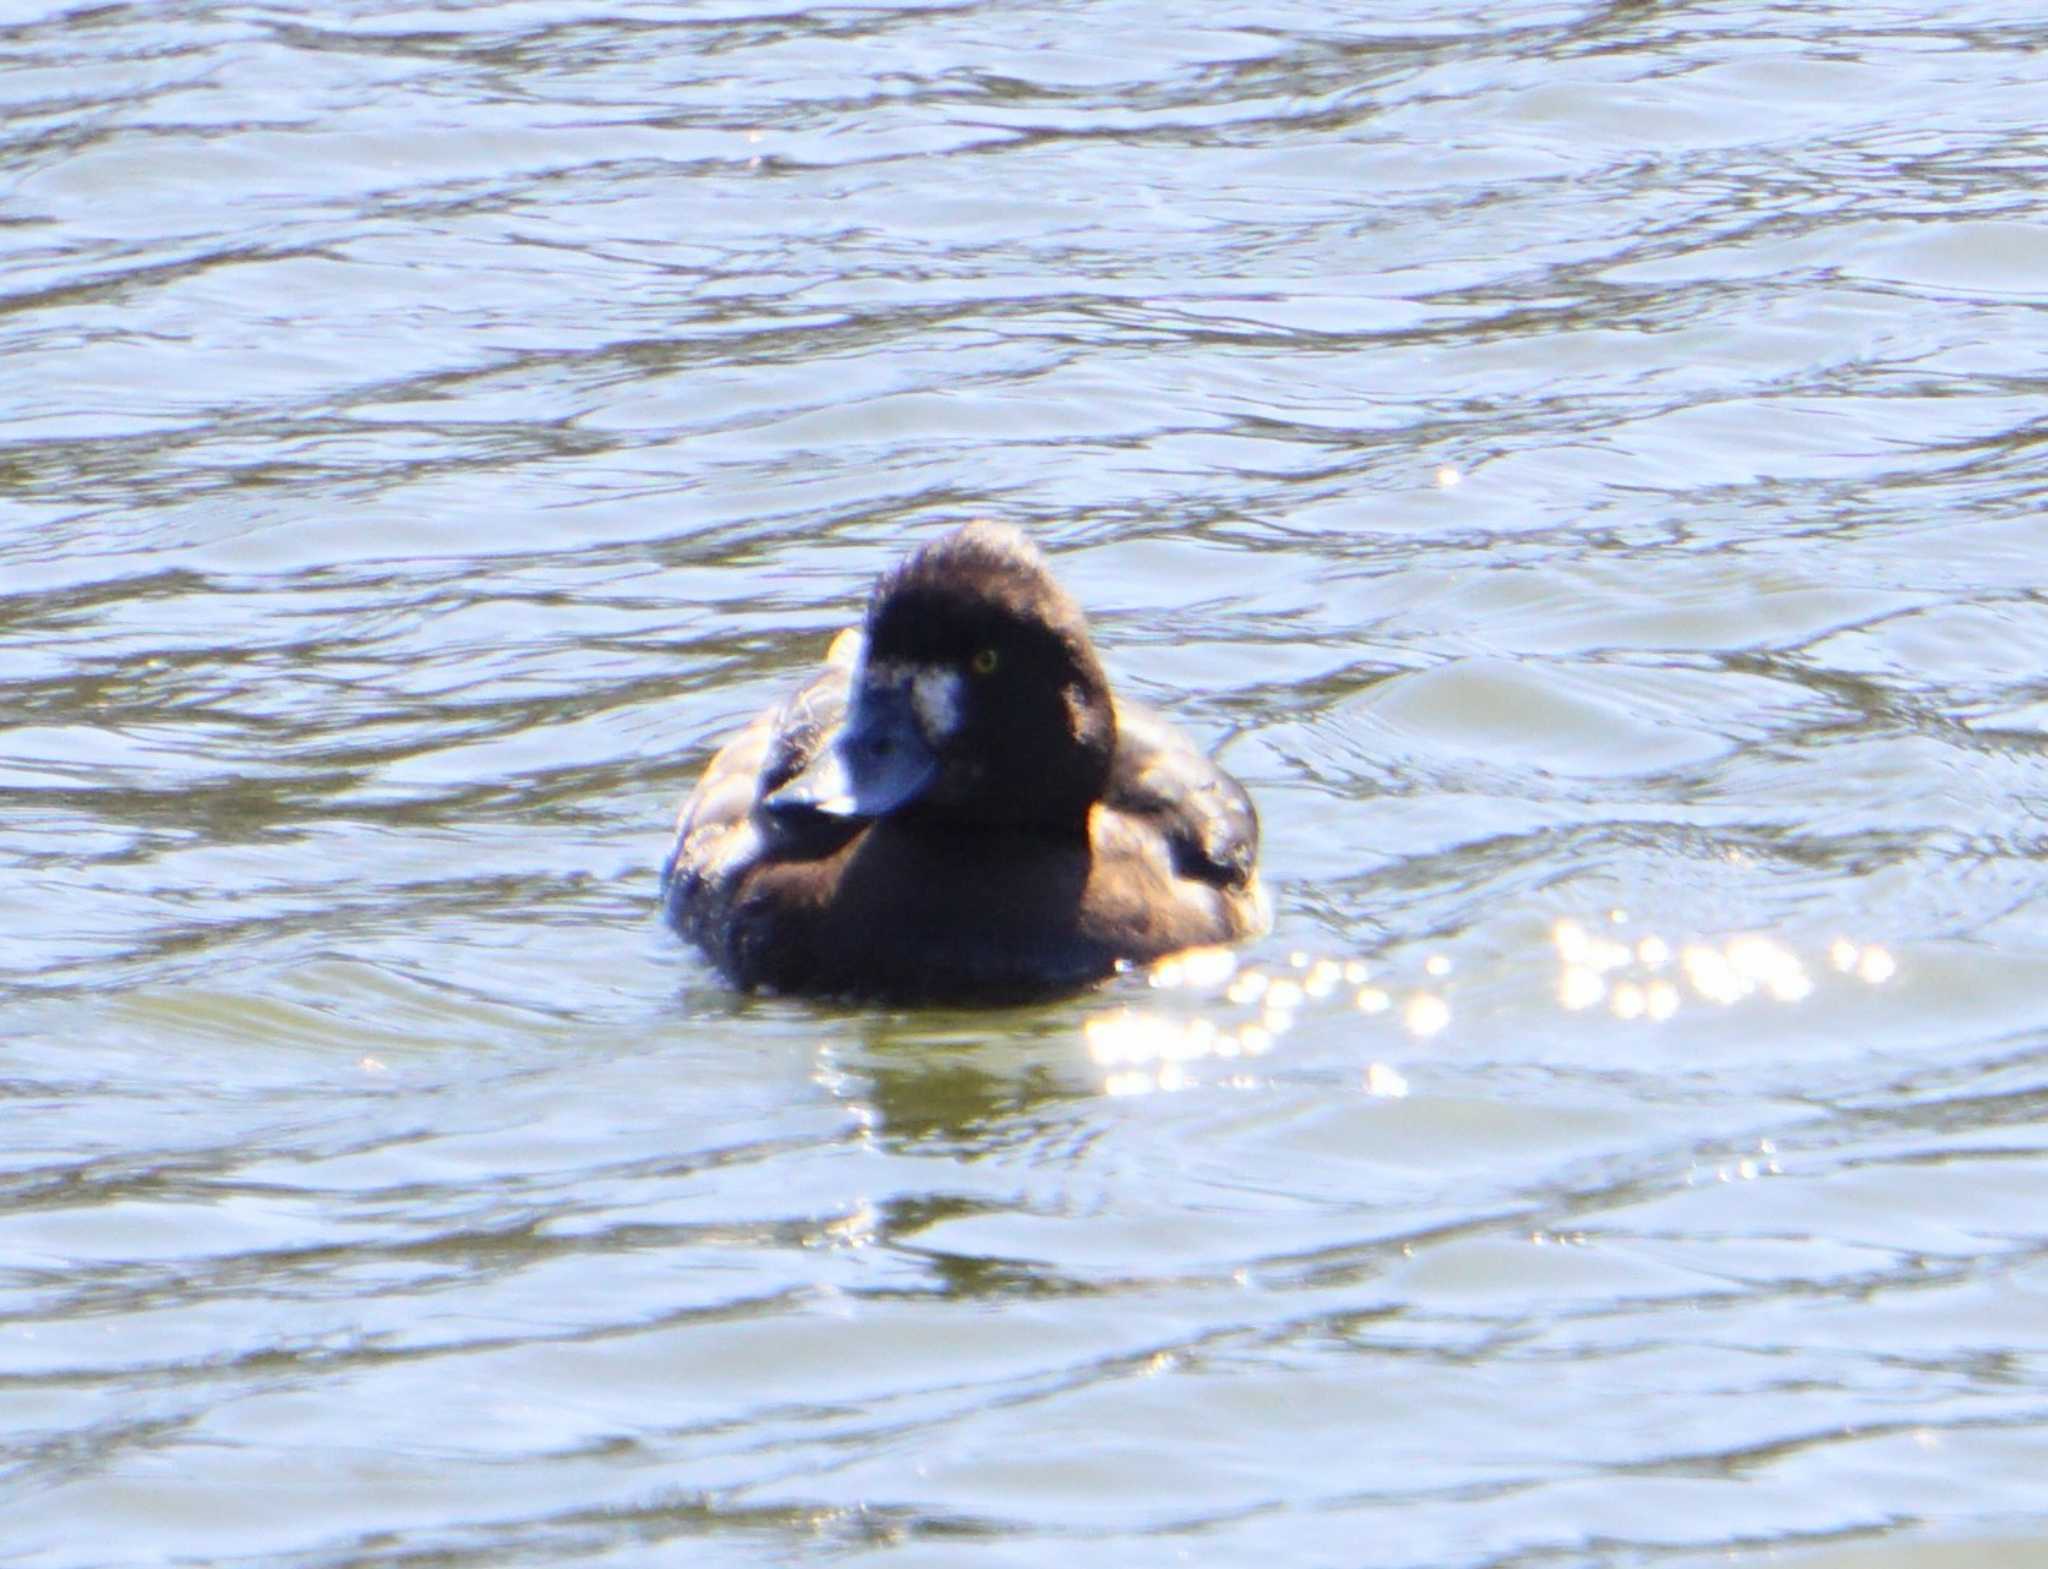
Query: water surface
{"type": "Point", "coordinates": [1580, 465]}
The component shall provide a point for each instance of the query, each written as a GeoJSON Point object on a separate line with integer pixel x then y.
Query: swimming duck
{"type": "Point", "coordinates": [956, 808]}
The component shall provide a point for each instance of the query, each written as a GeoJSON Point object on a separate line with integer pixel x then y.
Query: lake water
{"type": "Point", "coordinates": [1581, 465]}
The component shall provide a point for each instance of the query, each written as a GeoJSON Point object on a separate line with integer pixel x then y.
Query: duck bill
{"type": "Point", "coordinates": [879, 762]}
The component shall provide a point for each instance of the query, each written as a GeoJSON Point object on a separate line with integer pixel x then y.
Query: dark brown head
{"type": "Point", "coordinates": [977, 698]}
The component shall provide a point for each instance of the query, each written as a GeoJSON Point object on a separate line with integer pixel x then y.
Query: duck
{"type": "Point", "coordinates": [955, 808]}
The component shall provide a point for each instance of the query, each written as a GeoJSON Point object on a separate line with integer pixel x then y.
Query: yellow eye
{"type": "Point", "coordinates": [984, 663]}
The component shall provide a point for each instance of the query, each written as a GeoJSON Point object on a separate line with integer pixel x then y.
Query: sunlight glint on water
{"type": "Point", "coordinates": [1246, 1011]}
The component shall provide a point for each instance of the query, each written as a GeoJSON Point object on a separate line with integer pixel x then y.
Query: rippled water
{"type": "Point", "coordinates": [1580, 465]}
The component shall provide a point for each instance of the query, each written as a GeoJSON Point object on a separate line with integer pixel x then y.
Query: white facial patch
{"type": "Point", "coordinates": [935, 694]}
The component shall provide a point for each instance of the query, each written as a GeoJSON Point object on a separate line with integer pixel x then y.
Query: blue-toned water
{"type": "Point", "coordinates": [1580, 465]}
